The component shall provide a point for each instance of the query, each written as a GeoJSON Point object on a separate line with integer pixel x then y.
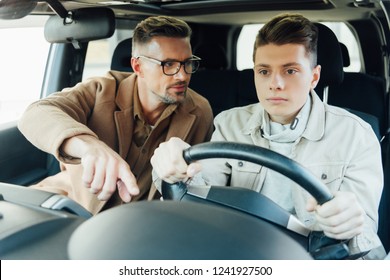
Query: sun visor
{"type": "Point", "coordinates": [80, 26]}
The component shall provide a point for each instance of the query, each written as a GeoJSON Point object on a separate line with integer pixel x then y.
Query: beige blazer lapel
{"type": "Point", "coordinates": [182, 120]}
{"type": "Point", "coordinates": [180, 126]}
{"type": "Point", "coordinates": [124, 126]}
{"type": "Point", "coordinates": [124, 117]}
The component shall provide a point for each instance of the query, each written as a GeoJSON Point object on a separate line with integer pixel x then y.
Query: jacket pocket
{"type": "Point", "coordinates": [330, 174]}
{"type": "Point", "coordinates": [244, 174]}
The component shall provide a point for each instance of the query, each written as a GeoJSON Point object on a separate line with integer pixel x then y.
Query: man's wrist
{"type": "Point", "coordinates": [76, 146]}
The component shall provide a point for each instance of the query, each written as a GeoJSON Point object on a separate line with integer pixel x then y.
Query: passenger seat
{"type": "Point", "coordinates": [121, 57]}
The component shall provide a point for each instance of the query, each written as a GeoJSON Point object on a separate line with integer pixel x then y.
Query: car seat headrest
{"type": "Point", "coordinates": [329, 57]}
{"type": "Point", "coordinates": [122, 56]}
{"type": "Point", "coordinates": [345, 54]}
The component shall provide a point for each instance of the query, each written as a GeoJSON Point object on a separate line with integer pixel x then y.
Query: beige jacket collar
{"type": "Point", "coordinates": [315, 127]}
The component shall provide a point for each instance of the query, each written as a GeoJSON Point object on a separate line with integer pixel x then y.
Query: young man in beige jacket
{"type": "Point", "coordinates": [338, 147]}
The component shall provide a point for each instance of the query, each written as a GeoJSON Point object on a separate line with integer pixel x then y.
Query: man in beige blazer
{"type": "Point", "coordinates": [104, 130]}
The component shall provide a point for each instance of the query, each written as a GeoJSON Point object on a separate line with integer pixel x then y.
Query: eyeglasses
{"type": "Point", "coordinates": [172, 67]}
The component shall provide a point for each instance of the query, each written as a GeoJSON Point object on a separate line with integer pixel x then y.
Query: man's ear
{"type": "Point", "coordinates": [136, 66]}
{"type": "Point", "coordinates": [316, 76]}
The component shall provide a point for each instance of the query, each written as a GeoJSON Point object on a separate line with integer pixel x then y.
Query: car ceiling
{"type": "Point", "coordinates": [217, 11]}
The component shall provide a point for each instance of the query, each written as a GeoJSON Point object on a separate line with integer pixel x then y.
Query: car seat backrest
{"type": "Point", "coordinates": [213, 56]}
{"type": "Point", "coordinates": [213, 80]}
{"type": "Point", "coordinates": [360, 92]}
{"type": "Point", "coordinates": [247, 90]}
{"type": "Point", "coordinates": [220, 87]}
{"type": "Point", "coordinates": [333, 87]}
{"type": "Point", "coordinates": [121, 57]}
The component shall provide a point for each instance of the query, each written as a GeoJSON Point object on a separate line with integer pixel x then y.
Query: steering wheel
{"type": "Point", "coordinates": [186, 229]}
{"type": "Point", "coordinates": [256, 204]}
{"type": "Point", "coordinates": [243, 199]}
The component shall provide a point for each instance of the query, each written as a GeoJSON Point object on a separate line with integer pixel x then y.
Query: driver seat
{"type": "Point", "coordinates": [332, 72]}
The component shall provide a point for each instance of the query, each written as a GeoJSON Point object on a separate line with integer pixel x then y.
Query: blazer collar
{"type": "Point", "coordinates": [124, 117]}
{"type": "Point", "coordinates": [182, 118]}
{"type": "Point", "coordinates": [125, 92]}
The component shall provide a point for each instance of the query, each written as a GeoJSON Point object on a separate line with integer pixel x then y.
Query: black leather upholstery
{"type": "Point", "coordinates": [121, 57]}
{"type": "Point", "coordinates": [360, 92]}
{"type": "Point", "coordinates": [213, 56]}
{"type": "Point", "coordinates": [329, 57]}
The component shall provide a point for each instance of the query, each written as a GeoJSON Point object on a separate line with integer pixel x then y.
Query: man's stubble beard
{"type": "Point", "coordinates": [167, 99]}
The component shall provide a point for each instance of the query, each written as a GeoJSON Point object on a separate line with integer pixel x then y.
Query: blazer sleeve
{"type": "Point", "coordinates": [48, 122]}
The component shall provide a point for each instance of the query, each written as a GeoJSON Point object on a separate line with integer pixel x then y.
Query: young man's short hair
{"type": "Point", "coordinates": [289, 29]}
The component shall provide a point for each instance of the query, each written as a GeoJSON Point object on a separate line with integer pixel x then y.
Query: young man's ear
{"type": "Point", "coordinates": [316, 76]}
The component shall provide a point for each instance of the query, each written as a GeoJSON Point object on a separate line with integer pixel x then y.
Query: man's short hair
{"type": "Point", "coordinates": [289, 29]}
{"type": "Point", "coordinates": [155, 26]}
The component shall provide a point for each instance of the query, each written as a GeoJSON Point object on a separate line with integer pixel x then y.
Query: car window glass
{"type": "Point", "coordinates": [99, 54]}
{"type": "Point", "coordinates": [343, 33]}
{"type": "Point", "coordinates": [98, 58]}
{"type": "Point", "coordinates": [23, 56]}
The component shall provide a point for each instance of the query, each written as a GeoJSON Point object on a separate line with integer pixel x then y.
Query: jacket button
{"type": "Point", "coordinates": [240, 164]}
{"type": "Point", "coordinates": [324, 176]}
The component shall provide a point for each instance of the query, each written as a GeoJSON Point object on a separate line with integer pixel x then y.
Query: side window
{"type": "Point", "coordinates": [23, 56]}
{"type": "Point", "coordinates": [99, 54]}
{"type": "Point", "coordinates": [245, 44]}
{"type": "Point", "coordinates": [343, 33]}
{"type": "Point", "coordinates": [98, 59]}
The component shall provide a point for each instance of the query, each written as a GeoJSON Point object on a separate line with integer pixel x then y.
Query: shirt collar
{"type": "Point", "coordinates": [315, 126]}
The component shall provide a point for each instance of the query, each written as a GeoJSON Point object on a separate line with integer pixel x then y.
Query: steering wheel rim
{"type": "Point", "coordinates": [262, 156]}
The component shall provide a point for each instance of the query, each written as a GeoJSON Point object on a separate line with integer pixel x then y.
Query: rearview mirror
{"type": "Point", "coordinates": [81, 25]}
